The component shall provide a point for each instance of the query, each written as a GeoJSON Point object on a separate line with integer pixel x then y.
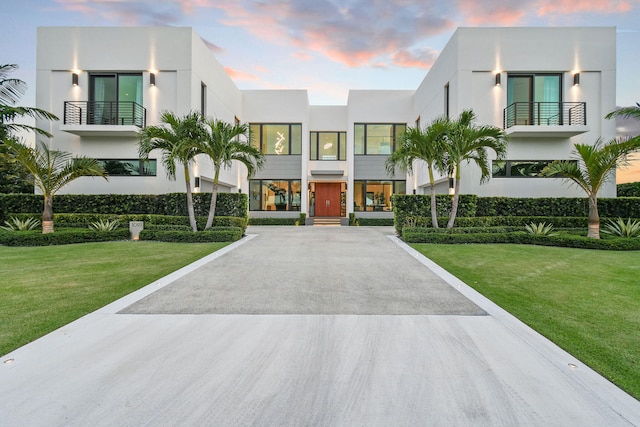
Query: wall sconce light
{"type": "Point", "coordinates": [74, 79]}
{"type": "Point", "coordinates": [498, 79]}
{"type": "Point", "coordinates": [576, 79]}
{"type": "Point", "coordinates": [152, 79]}
{"type": "Point", "coordinates": [197, 182]}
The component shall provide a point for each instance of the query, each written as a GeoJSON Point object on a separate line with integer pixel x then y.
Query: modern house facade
{"type": "Point", "coordinates": [547, 87]}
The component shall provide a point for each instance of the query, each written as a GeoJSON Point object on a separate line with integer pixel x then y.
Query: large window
{"type": "Point", "coordinates": [518, 168]}
{"type": "Point", "coordinates": [328, 146]}
{"type": "Point", "coordinates": [370, 195]}
{"type": "Point", "coordinates": [277, 139]}
{"type": "Point", "coordinates": [116, 99]}
{"type": "Point", "coordinates": [274, 195]}
{"type": "Point", "coordinates": [536, 98]}
{"type": "Point", "coordinates": [372, 139]}
{"type": "Point", "coordinates": [129, 167]}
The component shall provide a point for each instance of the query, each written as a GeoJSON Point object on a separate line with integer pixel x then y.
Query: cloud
{"type": "Point", "coordinates": [144, 12]}
{"type": "Point", "coordinates": [547, 7]}
{"type": "Point", "coordinates": [492, 12]}
{"type": "Point", "coordinates": [353, 32]}
{"type": "Point", "coordinates": [419, 58]}
{"type": "Point", "coordinates": [213, 47]}
{"type": "Point", "coordinates": [239, 75]}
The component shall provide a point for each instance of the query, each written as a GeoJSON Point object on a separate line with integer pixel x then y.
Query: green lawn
{"type": "Point", "coordinates": [44, 288]}
{"type": "Point", "coordinates": [586, 301]}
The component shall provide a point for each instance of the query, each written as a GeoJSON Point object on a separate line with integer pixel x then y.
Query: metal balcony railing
{"type": "Point", "coordinates": [104, 113]}
{"type": "Point", "coordinates": [545, 114]}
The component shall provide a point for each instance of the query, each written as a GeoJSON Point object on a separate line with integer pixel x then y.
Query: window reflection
{"type": "Point", "coordinates": [375, 196]}
{"type": "Point", "coordinates": [274, 195]}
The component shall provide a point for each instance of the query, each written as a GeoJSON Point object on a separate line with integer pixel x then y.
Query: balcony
{"type": "Point", "coordinates": [103, 118]}
{"type": "Point", "coordinates": [545, 119]}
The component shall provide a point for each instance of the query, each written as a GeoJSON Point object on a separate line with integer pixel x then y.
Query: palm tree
{"type": "Point", "coordinates": [176, 138]}
{"type": "Point", "coordinates": [626, 112]}
{"type": "Point", "coordinates": [222, 145]}
{"type": "Point", "coordinates": [421, 144]}
{"type": "Point", "coordinates": [52, 170]}
{"type": "Point", "coordinates": [467, 142]}
{"type": "Point", "coordinates": [11, 90]}
{"type": "Point", "coordinates": [591, 168]}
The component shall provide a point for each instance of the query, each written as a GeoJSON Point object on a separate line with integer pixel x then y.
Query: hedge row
{"type": "Point", "coordinates": [221, 234]}
{"type": "Point", "coordinates": [61, 237]}
{"type": "Point", "coordinates": [150, 221]}
{"type": "Point", "coordinates": [173, 204]}
{"type": "Point", "coordinates": [631, 189]}
{"type": "Point", "coordinates": [520, 237]}
{"type": "Point", "coordinates": [373, 222]}
{"type": "Point", "coordinates": [556, 206]}
{"type": "Point", "coordinates": [500, 221]}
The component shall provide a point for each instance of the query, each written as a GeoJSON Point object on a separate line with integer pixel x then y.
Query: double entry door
{"type": "Point", "coordinates": [327, 199]}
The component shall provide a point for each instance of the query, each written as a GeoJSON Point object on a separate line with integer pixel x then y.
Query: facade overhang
{"type": "Point", "coordinates": [120, 131]}
{"type": "Point", "coordinates": [528, 131]}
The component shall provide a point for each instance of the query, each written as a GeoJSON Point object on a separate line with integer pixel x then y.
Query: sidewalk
{"type": "Point", "coordinates": [335, 326]}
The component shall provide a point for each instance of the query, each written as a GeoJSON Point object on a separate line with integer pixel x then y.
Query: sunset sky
{"type": "Point", "coordinates": [324, 46]}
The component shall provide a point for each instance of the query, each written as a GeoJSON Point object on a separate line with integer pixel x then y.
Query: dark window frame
{"type": "Point", "coordinates": [317, 143]}
{"type": "Point", "coordinates": [364, 182]}
{"type": "Point", "coordinates": [290, 206]}
{"type": "Point", "coordinates": [508, 167]}
{"type": "Point", "coordinates": [262, 147]}
{"type": "Point", "coordinates": [141, 164]}
{"type": "Point", "coordinates": [394, 137]}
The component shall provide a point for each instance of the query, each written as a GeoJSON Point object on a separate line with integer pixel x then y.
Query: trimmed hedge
{"type": "Point", "coordinates": [631, 189]}
{"type": "Point", "coordinates": [150, 221]}
{"type": "Point", "coordinates": [220, 234]}
{"type": "Point", "coordinates": [61, 237]}
{"type": "Point", "coordinates": [503, 221]}
{"type": "Point", "coordinates": [374, 222]}
{"type": "Point", "coordinates": [174, 204]}
{"type": "Point", "coordinates": [275, 221]}
{"type": "Point", "coordinates": [405, 205]}
{"type": "Point", "coordinates": [520, 237]}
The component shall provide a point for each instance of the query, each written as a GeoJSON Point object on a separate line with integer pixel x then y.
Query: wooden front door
{"type": "Point", "coordinates": [328, 199]}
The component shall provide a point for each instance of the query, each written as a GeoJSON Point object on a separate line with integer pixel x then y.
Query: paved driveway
{"type": "Point", "coordinates": [327, 326]}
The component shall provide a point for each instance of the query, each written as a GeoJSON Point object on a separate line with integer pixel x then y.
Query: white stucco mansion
{"type": "Point", "coordinates": [547, 87]}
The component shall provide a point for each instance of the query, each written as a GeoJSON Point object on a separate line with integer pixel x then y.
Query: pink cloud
{"type": "Point", "coordinates": [491, 12]}
{"type": "Point", "coordinates": [239, 75]}
{"type": "Point", "coordinates": [546, 7]}
{"type": "Point", "coordinates": [422, 58]}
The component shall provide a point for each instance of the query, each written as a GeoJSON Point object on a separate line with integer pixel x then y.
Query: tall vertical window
{"type": "Point", "coordinates": [446, 99]}
{"type": "Point", "coordinates": [203, 99]}
{"type": "Point", "coordinates": [535, 98]}
{"type": "Point", "coordinates": [274, 195]}
{"type": "Point", "coordinates": [375, 196]}
{"type": "Point", "coordinates": [328, 146]}
{"type": "Point", "coordinates": [115, 99]}
{"type": "Point", "coordinates": [374, 138]}
{"type": "Point", "coordinates": [277, 139]}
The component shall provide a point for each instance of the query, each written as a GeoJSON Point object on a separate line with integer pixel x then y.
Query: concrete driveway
{"type": "Point", "coordinates": [305, 326]}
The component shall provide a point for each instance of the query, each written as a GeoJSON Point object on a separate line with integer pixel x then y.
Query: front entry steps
{"type": "Point", "coordinates": [327, 221]}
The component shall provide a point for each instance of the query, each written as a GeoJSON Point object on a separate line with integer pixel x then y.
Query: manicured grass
{"type": "Point", "coordinates": [44, 288]}
{"type": "Point", "coordinates": [586, 301]}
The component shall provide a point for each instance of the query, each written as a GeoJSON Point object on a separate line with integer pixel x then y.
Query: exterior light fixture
{"type": "Point", "coordinates": [74, 79]}
{"type": "Point", "coordinates": [152, 79]}
{"type": "Point", "coordinates": [576, 79]}
{"type": "Point", "coordinates": [498, 78]}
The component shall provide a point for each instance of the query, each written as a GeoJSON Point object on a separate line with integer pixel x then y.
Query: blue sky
{"type": "Point", "coordinates": [324, 46]}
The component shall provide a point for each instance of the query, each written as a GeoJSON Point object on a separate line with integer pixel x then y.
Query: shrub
{"type": "Point", "coordinates": [519, 237]}
{"type": "Point", "coordinates": [105, 225]}
{"type": "Point", "coordinates": [540, 229]}
{"type": "Point", "coordinates": [61, 237]}
{"type": "Point", "coordinates": [218, 234]}
{"type": "Point", "coordinates": [621, 228]}
{"type": "Point", "coordinates": [17, 224]}
{"type": "Point", "coordinates": [405, 205]}
{"type": "Point", "coordinates": [631, 189]}
{"type": "Point", "coordinates": [375, 222]}
{"type": "Point", "coordinates": [273, 221]}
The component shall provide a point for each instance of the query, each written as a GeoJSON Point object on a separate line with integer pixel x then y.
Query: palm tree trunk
{"type": "Point", "coordinates": [456, 198]}
{"type": "Point", "coordinates": [434, 211]}
{"type": "Point", "coordinates": [190, 210]}
{"type": "Point", "coordinates": [47, 214]}
{"type": "Point", "coordinates": [214, 197]}
{"type": "Point", "coordinates": [594, 218]}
